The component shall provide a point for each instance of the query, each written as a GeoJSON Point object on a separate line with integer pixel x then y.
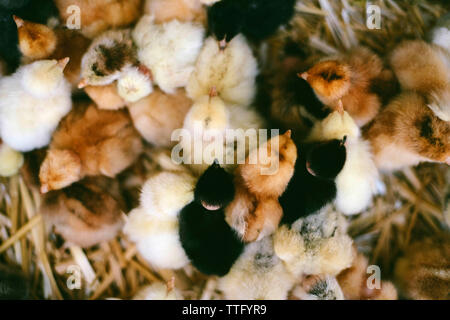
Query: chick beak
{"type": "Point", "coordinates": [288, 133]}
{"type": "Point", "coordinates": [447, 161]}
{"type": "Point", "coordinates": [146, 71]}
{"type": "Point", "coordinates": [44, 188]}
{"type": "Point", "coordinates": [82, 84]}
{"type": "Point", "coordinates": [343, 141]}
{"type": "Point", "coordinates": [19, 22]}
{"type": "Point", "coordinates": [340, 107]}
{"type": "Point", "coordinates": [303, 75]}
{"type": "Point", "coordinates": [213, 92]}
{"type": "Point", "coordinates": [62, 63]}
{"type": "Point", "coordinates": [170, 285]}
{"type": "Point", "coordinates": [222, 44]}
{"type": "Point", "coordinates": [210, 207]}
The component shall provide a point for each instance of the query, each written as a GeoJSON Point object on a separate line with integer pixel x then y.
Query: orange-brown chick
{"type": "Point", "coordinates": [159, 114]}
{"type": "Point", "coordinates": [422, 273]}
{"type": "Point", "coordinates": [408, 132]}
{"type": "Point", "coordinates": [89, 142]}
{"type": "Point", "coordinates": [349, 78]}
{"type": "Point", "coordinates": [255, 211]}
{"type": "Point", "coordinates": [85, 213]}
{"type": "Point", "coordinates": [354, 284]}
{"type": "Point", "coordinates": [99, 15]}
{"type": "Point", "coordinates": [105, 97]}
{"type": "Point", "coordinates": [182, 10]}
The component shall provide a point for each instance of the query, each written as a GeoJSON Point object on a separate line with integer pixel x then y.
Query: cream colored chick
{"type": "Point", "coordinates": [154, 225]}
{"type": "Point", "coordinates": [89, 142]}
{"type": "Point", "coordinates": [407, 132]}
{"type": "Point", "coordinates": [107, 56]}
{"type": "Point", "coordinates": [134, 85]}
{"type": "Point", "coordinates": [317, 244]}
{"type": "Point", "coordinates": [157, 291]}
{"type": "Point", "coordinates": [86, 213]}
{"type": "Point", "coordinates": [169, 50]}
{"type": "Point", "coordinates": [157, 115]}
{"type": "Point", "coordinates": [100, 15]}
{"type": "Point", "coordinates": [10, 160]}
{"type": "Point", "coordinates": [33, 101]}
{"type": "Point", "coordinates": [356, 183]}
{"type": "Point", "coordinates": [105, 97]}
{"type": "Point", "coordinates": [258, 274]}
{"type": "Point", "coordinates": [181, 10]}
{"type": "Point", "coordinates": [232, 71]}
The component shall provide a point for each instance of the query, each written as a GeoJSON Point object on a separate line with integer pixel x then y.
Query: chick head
{"type": "Point", "coordinates": [60, 169]}
{"type": "Point", "coordinates": [225, 20]}
{"type": "Point", "coordinates": [326, 159]}
{"type": "Point", "coordinates": [215, 188]}
{"type": "Point", "coordinates": [330, 80]}
{"type": "Point", "coordinates": [134, 85]}
{"type": "Point", "coordinates": [43, 78]}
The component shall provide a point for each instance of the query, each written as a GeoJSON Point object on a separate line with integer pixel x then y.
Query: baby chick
{"type": "Point", "coordinates": [105, 97]}
{"type": "Point", "coordinates": [350, 78]}
{"type": "Point", "coordinates": [209, 242]}
{"type": "Point", "coordinates": [356, 183]}
{"type": "Point", "coordinates": [422, 273]}
{"type": "Point", "coordinates": [157, 115]}
{"type": "Point", "coordinates": [154, 225]}
{"type": "Point", "coordinates": [169, 50]}
{"type": "Point", "coordinates": [313, 184]}
{"type": "Point", "coordinates": [318, 288]}
{"type": "Point", "coordinates": [107, 56]}
{"type": "Point", "coordinates": [10, 160]}
{"type": "Point", "coordinates": [100, 15]}
{"type": "Point", "coordinates": [258, 274]}
{"type": "Point", "coordinates": [317, 244]}
{"type": "Point", "coordinates": [89, 142]}
{"type": "Point", "coordinates": [34, 99]}
{"type": "Point", "coordinates": [353, 282]}
{"type": "Point", "coordinates": [181, 10]}
{"type": "Point", "coordinates": [256, 19]}
{"type": "Point", "coordinates": [255, 211]}
{"type": "Point", "coordinates": [14, 285]}
{"type": "Point", "coordinates": [134, 85]}
{"type": "Point", "coordinates": [231, 71]}
{"type": "Point", "coordinates": [408, 132]}
{"type": "Point", "coordinates": [85, 213]}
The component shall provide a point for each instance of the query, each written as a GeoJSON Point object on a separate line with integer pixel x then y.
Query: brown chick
{"type": "Point", "coordinates": [105, 97]}
{"type": "Point", "coordinates": [182, 10]}
{"type": "Point", "coordinates": [353, 282]}
{"type": "Point", "coordinates": [85, 213]}
{"type": "Point", "coordinates": [159, 114]}
{"type": "Point", "coordinates": [255, 211]}
{"type": "Point", "coordinates": [423, 272]}
{"type": "Point", "coordinates": [408, 132]}
{"type": "Point", "coordinates": [100, 15]}
{"type": "Point", "coordinates": [350, 77]}
{"type": "Point", "coordinates": [37, 41]}
{"type": "Point", "coordinates": [89, 142]}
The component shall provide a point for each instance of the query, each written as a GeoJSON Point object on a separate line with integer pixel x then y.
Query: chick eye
{"type": "Point", "coordinates": [330, 76]}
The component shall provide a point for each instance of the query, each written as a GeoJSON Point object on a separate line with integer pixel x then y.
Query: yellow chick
{"type": "Point", "coordinates": [10, 160]}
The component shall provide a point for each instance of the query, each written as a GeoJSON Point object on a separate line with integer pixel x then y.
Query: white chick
{"type": "Point", "coordinates": [317, 244]}
{"type": "Point", "coordinates": [157, 291]}
{"type": "Point", "coordinates": [206, 122]}
{"type": "Point", "coordinates": [232, 71]}
{"type": "Point", "coordinates": [34, 99]}
{"type": "Point", "coordinates": [134, 85]}
{"type": "Point", "coordinates": [10, 161]}
{"type": "Point", "coordinates": [257, 274]}
{"type": "Point", "coordinates": [107, 56]}
{"type": "Point", "coordinates": [356, 183]}
{"type": "Point", "coordinates": [154, 225]}
{"type": "Point", "coordinates": [169, 50]}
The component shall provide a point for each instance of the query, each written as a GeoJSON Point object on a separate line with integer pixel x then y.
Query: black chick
{"type": "Point", "coordinates": [13, 284]}
{"type": "Point", "coordinates": [208, 240]}
{"type": "Point", "coordinates": [256, 19]}
{"type": "Point", "coordinates": [13, 4]}
{"type": "Point", "coordinates": [312, 185]}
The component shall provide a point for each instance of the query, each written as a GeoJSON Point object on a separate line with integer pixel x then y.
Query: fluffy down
{"type": "Point", "coordinates": [258, 274]}
{"type": "Point", "coordinates": [182, 10]}
{"type": "Point", "coordinates": [169, 50]}
{"type": "Point", "coordinates": [317, 244]}
{"type": "Point", "coordinates": [231, 71]}
{"type": "Point", "coordinates": [10, 161]}
{"type": "Point", "coordinates": [105, 97]}
{"type": "Point", "coordinates": [157, 291]}
{"type": "Point", "coordinates": [356, 183]}
{"type": "Point", "coordinates": [133, 85]}
{"type": "Point", "coordinates": [318, 288]}
{"type": "Point", "coordinates": [34, 100]}
{"type": "Point", "coordinates": [157, 115]}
